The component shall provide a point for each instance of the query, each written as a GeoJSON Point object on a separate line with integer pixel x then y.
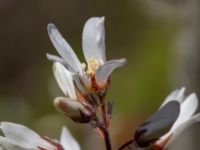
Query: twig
{"type": "Point", "coordinates": [107, 139]}
{"type": "Point", "coordinates": [126, 144]}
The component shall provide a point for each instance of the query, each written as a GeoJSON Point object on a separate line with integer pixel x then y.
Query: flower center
{"type": "Point", "coordinates": [93, 65]}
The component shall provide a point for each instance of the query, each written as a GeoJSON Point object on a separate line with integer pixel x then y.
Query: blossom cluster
{"type": "Point", "coordinates": [84, 86]}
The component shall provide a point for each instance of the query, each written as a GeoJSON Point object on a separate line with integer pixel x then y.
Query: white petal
{"type": "Point", "coordinates": [67, 140]}
{"type": "Point", "coordinates": [6, 144]}
{"type": "Point", "coordinates": [94, 39]}
{"type": "Point", "coordinates": [169, 110]}
{"type": "Point", "coordinates": [188, 108]}
{"type": "Point", "coordinates": [64, 49]}
{"type": "Point", "coordinates": [64, 79]}
{"type": "Point", "coordinates": [80, 85]}
{"type": "Point", "coordinates": [104, 71]}
{"type": "Point", "coordinates": [182, 127]}
{"type": "Point", "coordinates": [157, 129]}
{"type": "Point", "coordinates": [177, 95]}
{"type": "Point", "coordinates": [23, 136]}
{"type": "Point", "coordinates": [55, 58]}
{"type": "Point", "coordinates": [86, 81]}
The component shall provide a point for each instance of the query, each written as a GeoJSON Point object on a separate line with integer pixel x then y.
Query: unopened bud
{"type": "Point", "coordinates": [73, 109]}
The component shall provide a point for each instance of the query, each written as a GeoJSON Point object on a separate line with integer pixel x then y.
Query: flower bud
{"type": "Point", "coordinates": [73, 109]}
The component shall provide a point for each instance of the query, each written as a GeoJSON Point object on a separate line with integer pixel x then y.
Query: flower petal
{"type": "Point", "coordinates": [104, 71]}
{"type": "Point", "coordinates": [177, 95]}
{"type": "Point", "coordinates": [80, 84]}
{"type": "Point", "coordinates": [67, 140]}
{"type": "Point", "coordinates": [94, 39]}
{"type": "Point", "coordinates": [73, 109]}
{"type": "Point", "coordinates": [6, 144]}
{"type": "Point", "coordinates": [153, 132]}
{"type": "Point", "coordinates": [23, 136]}
{"type": "Point", "coordinates": [64, 79]}
{"type": "Point", "coordinates": [64, 49]}
{"type": "Point", "coordinates": [171, 109]}
{"type": "Point", "coordinates": [188, 108]}
{"type": "Point", "coordinates": [55, 58]}
{"type": "Point", "coordinates": [157, 124]}
{"type": "Point", "coordinates": [182, 127]}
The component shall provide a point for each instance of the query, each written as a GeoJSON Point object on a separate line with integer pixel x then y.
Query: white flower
{"type": "Point", "coordinates": [77, 80]}
{"type": "Point", "coordinates": [19, 137]}
{"type": "Point", "coordinates": [186, 118]}
{"type": "Point", "coordinates": [97, 68]}
{"type": "Point", "coordinates": [175, 114]}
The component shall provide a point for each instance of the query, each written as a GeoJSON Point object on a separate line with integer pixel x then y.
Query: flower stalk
{"type": "Point", "coordinates": [102, 119]}
{"type": "Point", "coordinates": [107, 139]}
{"type": "Point", "coordinates": [105, 128]}
{"type": "Point", "coordinates": [126, 144]}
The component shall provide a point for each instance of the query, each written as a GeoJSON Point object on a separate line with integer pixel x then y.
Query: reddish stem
{"type": "Point", "coordinates": [125, 145]}
{"type": "Point", "coordinates": [105, 126]}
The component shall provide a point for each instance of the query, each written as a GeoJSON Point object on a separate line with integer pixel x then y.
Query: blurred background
{"type": "Point", "coordinates": [160, 39]}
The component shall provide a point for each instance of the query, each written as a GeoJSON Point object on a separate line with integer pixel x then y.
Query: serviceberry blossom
{"type": "Point", "coordinates": [162, 128]}
{"type": "Point", "coordinates": [186, 118]}
{"type": "Point", "coordinates": [20, 137]}
{"type": "Point", "coordinates": [83, 84]}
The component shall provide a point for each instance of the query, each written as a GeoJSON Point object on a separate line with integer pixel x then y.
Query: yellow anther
{"type": "Point", "coordinates": [93, 65]}
{"type": "Point", "coordinates": [83, 65]}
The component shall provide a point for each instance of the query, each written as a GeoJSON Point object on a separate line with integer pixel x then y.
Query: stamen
{"type": "Point", "coordinates": [83, 65]}
{"type": "Point", "coordinates": [93, 65]}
